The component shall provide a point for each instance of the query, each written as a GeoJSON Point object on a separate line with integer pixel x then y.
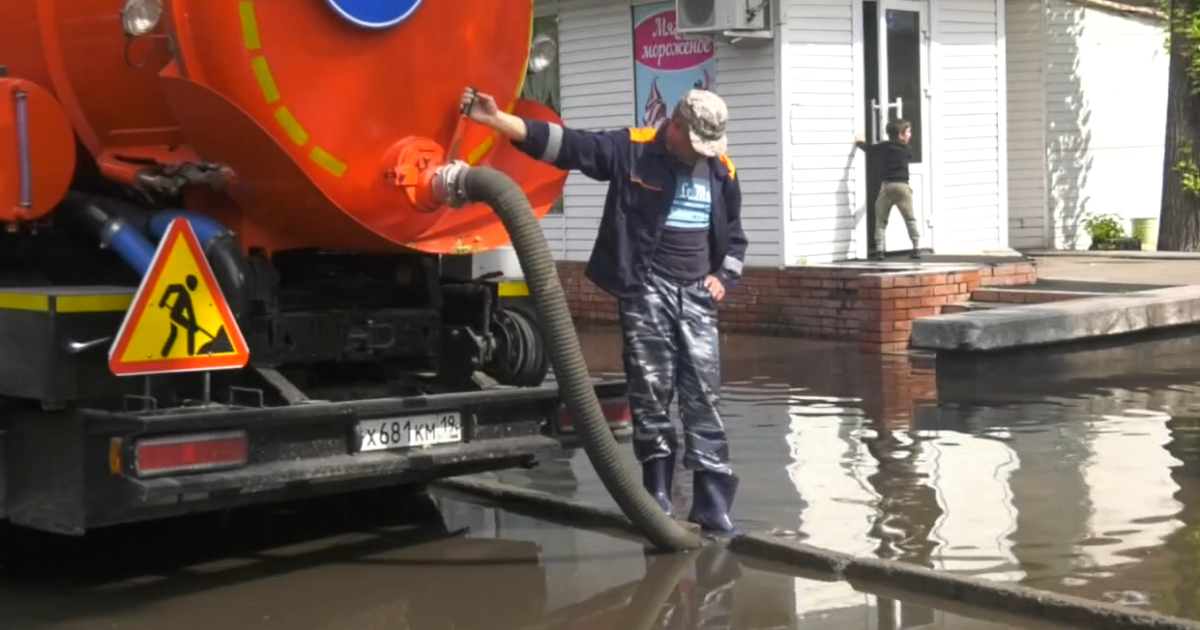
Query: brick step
{"type": "Point", "coordinates": [1027, 295]}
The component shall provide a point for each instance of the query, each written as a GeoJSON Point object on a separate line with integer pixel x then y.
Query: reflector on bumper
{"type": "Point", "coordinates": [193, 452]}
{"type": "Point", "coordinates": [616, 411]}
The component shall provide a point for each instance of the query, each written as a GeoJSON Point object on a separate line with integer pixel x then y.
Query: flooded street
{"type": "Point", "coordinates": [1078, 477]}
{"type": "Point", "coordinates": [1080, 480]}
{"type": "Point", "coordinates": [350, 564]}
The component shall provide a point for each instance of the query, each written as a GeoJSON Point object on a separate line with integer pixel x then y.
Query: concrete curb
{"type": "Point", "coordinates": [1021, 325]}
{"type": "Point", "coordinates": [1017, 600]}
{"type": "Point", "coordinates": [1143, 255]}
{"type": "Point", "coordinates": [543, 506]}
{"type": "Point", "coordinates": [1027, 603]}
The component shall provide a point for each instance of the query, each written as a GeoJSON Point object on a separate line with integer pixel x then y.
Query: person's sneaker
{"type": "Point", "coordinates": [878, 257]}
{"type": "Point", "coordinates": [915, 255]}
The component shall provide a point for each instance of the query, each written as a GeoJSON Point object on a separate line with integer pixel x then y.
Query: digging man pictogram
{"type": "Point", "coordinates": [183, 315]}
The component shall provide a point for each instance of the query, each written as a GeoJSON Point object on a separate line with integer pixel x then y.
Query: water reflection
{"type": "Point", "coordinates": [1073, 471]}
{"type": "Point", "coordinates": [614, 585]}
{"type": "Point", "coordinates": [376, 561]}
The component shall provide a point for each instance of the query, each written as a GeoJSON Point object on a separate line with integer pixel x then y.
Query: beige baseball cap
{"type": "Point", "coordinates": [706, 116]}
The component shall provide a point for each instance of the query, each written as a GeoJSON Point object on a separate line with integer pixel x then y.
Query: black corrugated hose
{"type": "Point", "coordinates": [494, 188]}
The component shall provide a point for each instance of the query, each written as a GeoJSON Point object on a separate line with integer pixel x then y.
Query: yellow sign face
{"type": "Point", "coordinates": [179, 320]}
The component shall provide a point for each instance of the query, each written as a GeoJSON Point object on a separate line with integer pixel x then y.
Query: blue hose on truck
{"type": "Point", "coordinates": [494, 188]}
{"type": "Point", "coordinates": [114, 232]}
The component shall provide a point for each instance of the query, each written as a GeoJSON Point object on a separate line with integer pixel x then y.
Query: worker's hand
{"type": "Point", "coordinates": [859, 139]}
{"type": "Point", "coordinates": [483, 110]}
{"type": "Point", "coordinates": [714, 286]}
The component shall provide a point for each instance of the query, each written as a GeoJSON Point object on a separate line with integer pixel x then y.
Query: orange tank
{"type": "Point", "coordinates": [320, 115]}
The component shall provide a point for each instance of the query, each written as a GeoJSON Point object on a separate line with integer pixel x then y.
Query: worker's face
{"type": "Point", "coordinates": [905, 135]}
{"type": "Point", "coordinates": [678, 142]}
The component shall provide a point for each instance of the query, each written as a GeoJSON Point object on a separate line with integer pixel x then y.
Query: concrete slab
{"type": "Point", "coordinates": [1057, 322]}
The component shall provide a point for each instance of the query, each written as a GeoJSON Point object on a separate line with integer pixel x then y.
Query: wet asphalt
{"type": "Point", "coordinates": [1075, 473]}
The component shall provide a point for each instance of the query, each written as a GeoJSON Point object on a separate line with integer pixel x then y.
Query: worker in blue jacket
{"type": "Point", "coordinates": [670, 245]}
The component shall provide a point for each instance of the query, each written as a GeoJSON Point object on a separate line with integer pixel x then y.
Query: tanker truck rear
{"type": "Point", "coordinates": [232, 266]}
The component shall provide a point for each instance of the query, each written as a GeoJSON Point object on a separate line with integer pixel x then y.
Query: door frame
{"type": "Point", "coordinates": [866, 205]}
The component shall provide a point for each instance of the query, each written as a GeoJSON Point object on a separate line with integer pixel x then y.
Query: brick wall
{"type": "Point", "coordinates": [867, 303]}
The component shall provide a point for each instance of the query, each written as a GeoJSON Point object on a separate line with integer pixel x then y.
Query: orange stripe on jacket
{"type": "Point", "coordinates": [645, 135]}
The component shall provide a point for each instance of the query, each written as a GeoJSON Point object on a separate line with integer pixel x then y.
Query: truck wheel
{"type": "Point", "coordinates": [520, 357]}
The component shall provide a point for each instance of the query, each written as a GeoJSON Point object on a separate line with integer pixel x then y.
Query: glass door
{"type": "Point", "coordinates": [902, 65]}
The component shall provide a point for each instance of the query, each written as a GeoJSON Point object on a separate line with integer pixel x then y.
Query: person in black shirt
{"type": "Point", "coordinates": [893, 156]}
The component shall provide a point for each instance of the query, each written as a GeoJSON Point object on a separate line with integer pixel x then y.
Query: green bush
{"type": "Point", "coordinates": [1104, 226]}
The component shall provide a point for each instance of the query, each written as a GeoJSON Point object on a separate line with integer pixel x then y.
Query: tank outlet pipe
{"type": "Point", "coordinates": [113, 232]}
{"type": "Point", "coordinates": [456, 184]}
{"type": "Point", "coordinates": [222, 250]}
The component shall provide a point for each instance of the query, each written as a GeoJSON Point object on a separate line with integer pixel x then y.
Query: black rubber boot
{"type": "Point", "coordinates": [657, 475]}
{"type": "Point", "coordinates": [878, 256]}
{"type": "Point", "coordinates": [712, 498]}
{"type": "Point", "coordinates": [916, 251]}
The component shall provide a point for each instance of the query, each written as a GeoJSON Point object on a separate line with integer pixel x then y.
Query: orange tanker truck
{"type": "Point", "coordinates": [236, 254]}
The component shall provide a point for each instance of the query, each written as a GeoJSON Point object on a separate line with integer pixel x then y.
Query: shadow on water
{"type": "Point", "coordinates": [1074, 471]}
{"type": "Point", "coordinates": [371, 561]}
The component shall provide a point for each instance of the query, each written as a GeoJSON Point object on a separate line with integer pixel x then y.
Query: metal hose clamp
{"type": "Point", "coordinates": [449, 184]}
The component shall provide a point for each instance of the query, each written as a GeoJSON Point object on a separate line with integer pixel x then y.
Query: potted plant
{"type": "Point", "coordinates": [1108, 233]}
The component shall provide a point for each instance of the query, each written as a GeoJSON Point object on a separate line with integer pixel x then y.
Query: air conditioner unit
{"type": "Point", "coordinates": [722, 16]}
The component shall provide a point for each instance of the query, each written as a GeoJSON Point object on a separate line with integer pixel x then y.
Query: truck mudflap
{"type": "Point", "coordinates": [77, 469]}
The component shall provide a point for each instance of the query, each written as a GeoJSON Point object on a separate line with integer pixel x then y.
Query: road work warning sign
{"type": "Point", "coordinates": [179, 320]}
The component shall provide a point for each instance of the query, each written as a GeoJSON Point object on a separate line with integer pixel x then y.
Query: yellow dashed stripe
{"type": "Point", "coordinates": [478, 152]}
{"type": "Point", "coordinates": [92, 303]}
{"type": "Point", "coordinates": [100, 303]}
{"type": "Point", "coordinates": [291, 126]}
{"type": "Point", "coordinates": [266, 82]}
{"type": "Point", "coordinates": [270, 90]}
{"type": "Point", "coordinates": [24, 302]}
{"type": "Point", "coordinates": [328, 162]}
{"type": "Point", "coordinates": [512, 289]}
{"type": "Point", "coordinates": [249, 25]}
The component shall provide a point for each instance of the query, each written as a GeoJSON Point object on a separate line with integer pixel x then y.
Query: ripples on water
{"type": "Point", "coordinates": [1078, 486]}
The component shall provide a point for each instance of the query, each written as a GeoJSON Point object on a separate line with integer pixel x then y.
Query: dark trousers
{"type": "Point", "coordinates": [671, 346]}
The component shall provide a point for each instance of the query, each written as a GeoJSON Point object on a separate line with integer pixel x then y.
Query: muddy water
{"type": "Point", "coordinates": [1075, 473]}
{"type": "Point", "coordinates": [360, 564]}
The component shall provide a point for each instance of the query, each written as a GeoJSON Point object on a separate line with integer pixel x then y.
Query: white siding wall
{"type": "Point", "coordinates": [821, 101]}
{"type": "Point", "coordinates": [1026, 45]}
{"type": "Point", "coordinates": [969, 121]}
{"type": "Point", "coordinates": [746, 80]}
{"type": "Point", "coordinates": [1106, 108]}
{"type": "Point", "coordinates": [596, 61]}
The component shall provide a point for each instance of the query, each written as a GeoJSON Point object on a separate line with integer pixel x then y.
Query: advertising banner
{"type": "Point", "coordinates": [665, 65]}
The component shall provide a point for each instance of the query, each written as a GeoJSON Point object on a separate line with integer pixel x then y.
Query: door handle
{"type": "Point", "coordinates": [880, 113]}
{"type": "Point", "coordinates": [874, 121]}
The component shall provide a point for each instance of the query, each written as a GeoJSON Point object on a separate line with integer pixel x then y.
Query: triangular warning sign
{"type": "Point", "coordinates": [179, 320]}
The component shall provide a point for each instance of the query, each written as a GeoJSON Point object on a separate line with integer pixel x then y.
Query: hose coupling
{"type": "Point", "coordinates": [449, 184]}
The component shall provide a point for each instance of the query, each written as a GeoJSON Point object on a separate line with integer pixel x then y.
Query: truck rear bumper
{"type": "Point", "coordinates": [73, 470]}
{"type": "Point", "coordinates": [343, 469]}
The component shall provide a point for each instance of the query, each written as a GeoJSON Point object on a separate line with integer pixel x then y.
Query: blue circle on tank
{"type": "Point", "coordinates": [375, 13]}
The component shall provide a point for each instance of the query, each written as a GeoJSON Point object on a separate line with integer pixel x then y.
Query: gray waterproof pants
{"type": "Point", "coordinates": [671, 346]}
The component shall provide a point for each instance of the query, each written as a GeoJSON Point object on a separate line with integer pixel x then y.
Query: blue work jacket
{"type": "Point", "coordinates": [641, 188]}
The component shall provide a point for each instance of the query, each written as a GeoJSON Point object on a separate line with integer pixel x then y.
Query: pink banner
{"type": "Point", "coordinates": [657, 45]}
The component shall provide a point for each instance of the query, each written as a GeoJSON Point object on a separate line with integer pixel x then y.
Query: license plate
{"type": "Point", "coordinates": [410, 431]}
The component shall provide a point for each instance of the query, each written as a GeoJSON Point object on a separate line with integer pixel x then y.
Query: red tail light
{"type": "Point", "coordinates": [191, 453]}
{"type": "Point", "coordinates": [616, 411]}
